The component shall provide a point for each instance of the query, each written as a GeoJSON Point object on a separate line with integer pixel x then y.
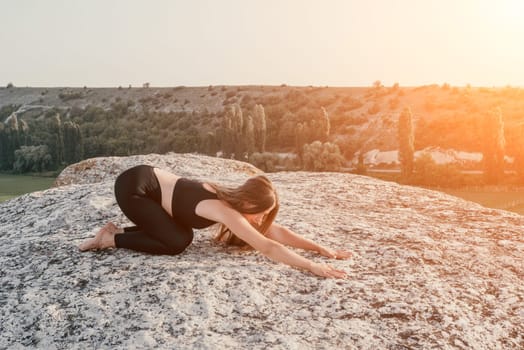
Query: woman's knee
{"type": "Point", "coordinates": [182, 241]}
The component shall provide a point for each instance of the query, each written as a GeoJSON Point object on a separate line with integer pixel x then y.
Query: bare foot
{"type": "Point", "coordinates": [104, 238]}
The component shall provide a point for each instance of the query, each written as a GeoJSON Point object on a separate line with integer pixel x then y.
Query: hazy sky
{"type": "Point", "coordinates": [268, 42]}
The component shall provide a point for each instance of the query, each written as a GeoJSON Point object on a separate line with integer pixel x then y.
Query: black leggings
{"type": "Point", "coordinates": [138, 194]}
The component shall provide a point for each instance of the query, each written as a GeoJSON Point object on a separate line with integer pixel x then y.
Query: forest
{"type": "Point", "coordinates": [274, 128]}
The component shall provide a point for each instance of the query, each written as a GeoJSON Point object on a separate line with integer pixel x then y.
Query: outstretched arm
{"type": "Point", "coordinates": [285, 236]}
{"type": "Point", "coordinates": [214, 210]}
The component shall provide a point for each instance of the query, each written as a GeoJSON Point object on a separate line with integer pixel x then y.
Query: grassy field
{"type": "Point", "coordinates": [506, 199]}
{"type": "Point", "coordinates": [15, 185]}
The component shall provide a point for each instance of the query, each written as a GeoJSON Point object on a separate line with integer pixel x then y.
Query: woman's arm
{"type": "Point", "coordinates": [278, 252]}
{"type": "Point", "coordinates": [214, 210]}
{"type": "Point", "coordinates": [285, 236]}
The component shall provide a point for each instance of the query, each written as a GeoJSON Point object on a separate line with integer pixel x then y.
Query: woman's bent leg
{"type": "Point", "coordinates": [158, 232]}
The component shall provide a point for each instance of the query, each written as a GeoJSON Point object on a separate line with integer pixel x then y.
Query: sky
{"type": "Point", "coordinates": [109, 43]}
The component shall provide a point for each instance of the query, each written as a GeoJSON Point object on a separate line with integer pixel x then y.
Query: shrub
{"type": "Point", "coordinates": [66, 96]}
{"type": "Point", "coordinates": [349, 103]}
{"type": "Point", "coordinates": [374, 109]}
{"type": "Point", "coordinates": [318, 156]}
{"type": "Point", "coordinates": [246, 99]}
{"type": "Point", "coordinates": [264, 161]}
{"type": "Point", "coordinates": [32, 158]}
{"type": "Point", "coordinates": [429, 173]}
{"type": "Point", "coordinates": [230, 94]}
{"type": "Point", "coordinates": [270, 162]}
{"type": "Point", "coordinates": [394, 102]}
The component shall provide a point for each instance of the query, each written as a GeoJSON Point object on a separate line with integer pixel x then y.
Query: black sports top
{"type": "Point", "coordinates": [186, 195]}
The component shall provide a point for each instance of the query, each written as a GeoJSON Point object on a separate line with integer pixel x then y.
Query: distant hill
{"type": "Point", "coordinates": [362, 118]}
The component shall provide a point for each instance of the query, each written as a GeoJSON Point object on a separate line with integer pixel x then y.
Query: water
{"type": "Point", "coordinates": [15, 185]}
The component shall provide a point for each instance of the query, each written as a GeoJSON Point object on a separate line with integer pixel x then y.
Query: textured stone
{"type": "Point", "coordinates": [429, 271]}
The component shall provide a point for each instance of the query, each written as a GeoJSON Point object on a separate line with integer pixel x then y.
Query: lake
{"type": "Point", "coordinates": [16, 185]}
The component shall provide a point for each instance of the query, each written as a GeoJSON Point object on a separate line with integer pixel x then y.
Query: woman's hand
{"type": "Point", "coordinates": [335, 254]}
{"type": "Point", "coordinates": [325, 270]}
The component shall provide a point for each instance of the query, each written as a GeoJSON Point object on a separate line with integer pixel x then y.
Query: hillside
{"type": "Point", "coordinates": [362, 118]}
{"type": "Point", "coordinates": [429, 270]}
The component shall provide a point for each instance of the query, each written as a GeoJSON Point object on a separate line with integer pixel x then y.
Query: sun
{"type": "Point", "coordinates": [509, 13]}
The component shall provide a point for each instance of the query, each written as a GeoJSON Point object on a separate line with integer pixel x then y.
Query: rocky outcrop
{"type": "Point", "coordinates": [107, 168]}
{"type": "Point", "coordinates": [429, 271]}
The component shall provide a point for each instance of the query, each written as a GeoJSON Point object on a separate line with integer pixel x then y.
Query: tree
{"type": "Point", "coordinates": [494, 146]}
{"type": "Point", "coordinates": [286, 133]}
{"type": "Point", "coordinates": [226, 136]}
{"type": "Point", "coordinates": [56, 142]}
{"type": "Point", "coordinates": [73, 143]}
{"type": "Point", "coordinates": [378, 88]}
{"type": "Point", "coordinates": [361, 166]}
{"type": "Point", "coordinates": [209, 143]}
{"type": "Point", "coordinates": [249, 136]}
{"type": "Point", "coordinates": [406, 140]}
{"type": "Point", "coordinates": [377, 84]}
{"type": "Point", "coordinates": [233, 142]}
{"type": "Point", "coordinates": [24, 133]}
{"type": "Point", "coordinates": [326, 125]}
{"type": "Point", "coordinates": [260, 125]}
{"type": "Point", "coordinates": [519, 155]}
{"type": "Point", "coordinates": [9, 141]}
{"type": "Point", "coordinates": [237, 124]}
{"type": "Point", "coordinates": [300, 139]}
{"type": "Point", "coordinates": [3, 146]}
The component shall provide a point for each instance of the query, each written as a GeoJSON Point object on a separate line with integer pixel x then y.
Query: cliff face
{"type": "Point", "coordinates": [429, 271]}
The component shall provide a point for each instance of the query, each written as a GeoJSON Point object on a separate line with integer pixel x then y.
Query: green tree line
{"type": "Point", "coordinates": [59, 137]}
{"type": "Point", "coordinates": [46, 143]}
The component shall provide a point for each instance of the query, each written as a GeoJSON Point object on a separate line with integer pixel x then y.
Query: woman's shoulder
{"type": "Point", "coordinates": [215, 210]}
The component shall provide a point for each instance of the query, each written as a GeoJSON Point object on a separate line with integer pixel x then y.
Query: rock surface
{"type": "Point", "coordinates": [429, 271]}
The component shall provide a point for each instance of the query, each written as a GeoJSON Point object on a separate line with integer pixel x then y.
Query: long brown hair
{"type": "Point", "coordinates": [255, 196]}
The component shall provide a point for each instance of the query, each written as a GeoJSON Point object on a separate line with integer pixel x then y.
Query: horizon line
{"type": "Point", "coordinates": [131, 86]}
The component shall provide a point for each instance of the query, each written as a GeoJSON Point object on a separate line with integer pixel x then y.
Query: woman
{"type": "Point", "coordinates": [165, 208]}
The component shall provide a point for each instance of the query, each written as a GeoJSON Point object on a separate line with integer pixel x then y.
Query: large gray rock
{"type": "Point", "coordinates": [429, 271]}
{"type": "Point", "coordinates": [107, 168]}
